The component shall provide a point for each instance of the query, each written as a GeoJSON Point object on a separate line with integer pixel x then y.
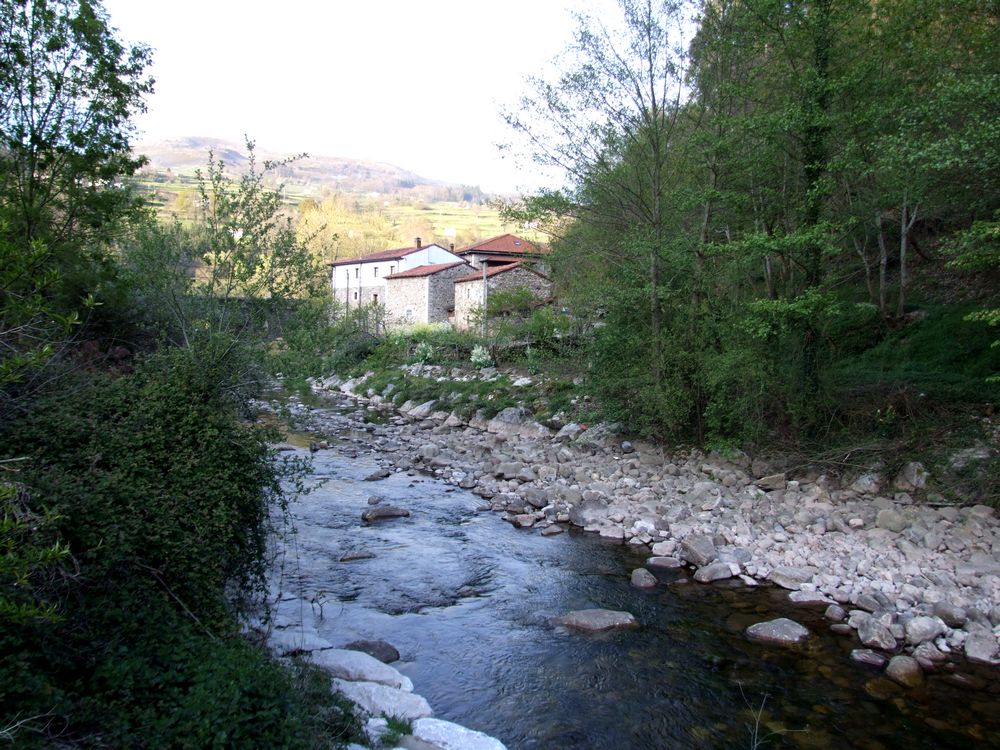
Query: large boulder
{"type": "Point", "coordinates": [383, 512]}
{"type": "Point", "coordinates": [717, 571]}
{"type": "Point", "coordinates": [643, 579]}
{"type": "Point", "coordinates": [782, 631]}
{"type": "Point", "coordinates": [377, 699]}
{"type": "Point", "coordinates": [588, 512]}
{"type": "Point", "coordinates": [360, 667]}
{"type": "Point", "coordinates": [384, 652]}
{"type": "Point", "coordinates": [789, 577]}
{"type": "Point", "coordinates": [596, 620]}
{"type": "Point", "coordinates": [906, 671]}
{"type": "Point", "coordinates": [921, 629]}
{"type": "Point", "coordinates": [698, 549]}
{"type": "Point", "coordinates": [445, 735]}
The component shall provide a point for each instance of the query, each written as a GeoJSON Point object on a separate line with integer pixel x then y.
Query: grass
{"type": "Point", "coordinates": [943, 356]}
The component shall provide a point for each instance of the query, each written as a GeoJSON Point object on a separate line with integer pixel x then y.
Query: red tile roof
{"type": "Point", "coordinates": [478, 275]}
{"type": "Point", "coordinates": [399, 252]}
{"type": "Point", "coordinates": [425, 270]}
{"type": "Point", "coordinates": [504, 243]}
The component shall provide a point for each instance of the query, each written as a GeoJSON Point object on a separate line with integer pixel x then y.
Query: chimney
{"type": "Point", "coordinates": [418, 243]}
{"type": "Point", "coordinates": [451, 247]}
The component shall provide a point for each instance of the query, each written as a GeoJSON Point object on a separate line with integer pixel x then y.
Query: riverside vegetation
{"type": "Point", "coordinates": [137, 487]}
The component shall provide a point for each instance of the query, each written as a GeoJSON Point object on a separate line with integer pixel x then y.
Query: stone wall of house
{"type": "Point", "coordinates": [469, 294]}
{"type": "Point", "coordinates": [423, 299]}
{"type": "Point", "coordinates": [441, 293]}
{"type": "Point", "coordinates": [406, 301]}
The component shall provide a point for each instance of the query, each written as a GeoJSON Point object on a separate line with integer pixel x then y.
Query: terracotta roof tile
{"type": "Point", "coordinates": [478, 275]}
{"type": "Point", "coordinates": [425, 270]}
{"type": "Point", "coordinates": [504, 243]}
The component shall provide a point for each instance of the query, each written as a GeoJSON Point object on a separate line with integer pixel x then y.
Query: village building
{"type": "Point", "coordinates": [501, 251]}
{"type": "Point", "coordinates": [472, 290]}
{"type": "Point", "coordinates": [361, 281]}
{"type": "Point", "coordinates": [425, 294]}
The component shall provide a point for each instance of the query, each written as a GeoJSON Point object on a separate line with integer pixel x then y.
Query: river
{"type": "Point", "coordinates": [467, 598]}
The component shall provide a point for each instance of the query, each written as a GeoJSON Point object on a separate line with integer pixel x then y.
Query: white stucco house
{"type": "Point", "coordinates": [359, 281]}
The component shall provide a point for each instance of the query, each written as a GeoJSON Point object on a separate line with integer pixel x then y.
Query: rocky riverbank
{"type": "Point", "coordinates": [903, 576]}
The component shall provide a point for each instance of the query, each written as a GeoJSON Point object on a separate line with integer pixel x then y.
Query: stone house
{"type": "Point", "coordinates": [471, 294]}
{"type": "Point", "coordinates": [501, 251]}
{"type": "Point", "coordinates": [360, 281]}
{"type": "Point", "coordinates": [425, 294]}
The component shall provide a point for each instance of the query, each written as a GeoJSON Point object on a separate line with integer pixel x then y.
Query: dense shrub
{"type": "Point", "coordinates": [159, 493]}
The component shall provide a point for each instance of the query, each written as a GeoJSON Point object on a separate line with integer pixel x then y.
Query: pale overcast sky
{"type": "Point", "coordinates": [415, 84]}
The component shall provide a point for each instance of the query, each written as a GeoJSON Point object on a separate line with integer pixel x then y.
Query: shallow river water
{"type": "Point", "coordinates": [466, 598]}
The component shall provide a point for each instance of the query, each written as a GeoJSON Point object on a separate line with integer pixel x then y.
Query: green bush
{"type": "Point", "coordinates": [159, 493]}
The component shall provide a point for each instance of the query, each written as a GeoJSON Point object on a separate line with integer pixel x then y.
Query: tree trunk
{"type": "Point", "coordinates": [883, 264]}
{"type": "Point", "coordinates": [905, 224]}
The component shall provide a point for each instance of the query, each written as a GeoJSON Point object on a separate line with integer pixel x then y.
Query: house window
{"type": "Point", "coordinates": [357, 271]}
{"type": "Point", "coordinates": [392, 270]}
{"type": "Point", "coordinates": [376, 271]}
{"type": "Point", "coordinates": [409, 313]}
{"type": "Point", "coordinates": [375, 298]}
{"type": "Point", "coordinates": [355, 295]}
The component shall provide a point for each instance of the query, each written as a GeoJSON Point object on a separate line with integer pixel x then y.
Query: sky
{"type": "Point", "coordinates": [416, 84]}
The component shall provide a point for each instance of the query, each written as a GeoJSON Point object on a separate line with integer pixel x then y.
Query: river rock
{"type": "Point", "coordinates": [789, 577]}
{"type": "Point", "coordinates": [643, 579]}
{"type": "Point", "coordinates": [981, 648]}
{"type": "Point", "coordinates": [523, 520]}
{"type": "Point", "coordinates": [358, 666]}
{"type": "Point", "coordinates": [808, 598]}
{"type": "Point", "coordinates": [378, 474]}
{"type": "Point", "coordinates": [717, 571]}
{"type": "Point", "coordinates": [835, 613]}
{"type": "Point", "coordinates": [891, 520]}
{"type": "Point", "coordinates": [868, 657]}
{"type": "Point", "coordinates": [875, 635]}
{"type": "Point", "coordinates": [383, 512]}
{"type": "Point", "coordinates": [588, 512]}
{"type": "Point", "coordinates": [444, 735]}
{"type": "Point", "coordinates": [595, 620]}
{"type": "Point", "coordinates": [913, 476]}
{"type": "Point", "coordinates": [921, 629]}
{"type": "Point", "coordinates": [772, 482]}
{"type": "Point", "coordinates": [384, 652]}
{"type": "Point", "coordinates": [567, 433]}
{"type": "Point", "coordinates": [670, 563]}
{"type": "Point", "coordinates": [781, 631]}
{"type": "Point", "coordinates": [423, 410]}
{"type": "Point", "coordinates": [381, 700]}
{"type": "Point", "coordinates": [356, 555]}
{"type": "Point", "coordinates": [552, 530]}
{"type": "Point", "coordinates": [698, 549]}
{"type": "Point", "coordinates": [906, 671]}
{"type": "Point", "coordinates": [952, 615]}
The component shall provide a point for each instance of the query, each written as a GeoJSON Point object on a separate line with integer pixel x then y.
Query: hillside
{"type": "Point", "coordinates": [176, 160]}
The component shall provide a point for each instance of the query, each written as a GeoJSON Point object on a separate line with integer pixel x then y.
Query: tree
{"type": "Point", "coordinates": [611, 124]}
{"type": "Point", "coordinates": [68, 90]}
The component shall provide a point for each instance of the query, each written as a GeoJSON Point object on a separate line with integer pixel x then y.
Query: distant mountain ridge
{"type": "Point", "coordinates": [312, 174]}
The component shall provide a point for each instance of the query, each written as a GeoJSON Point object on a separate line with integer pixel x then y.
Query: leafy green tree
{"type": "Point", "coordinates": [68, 91]}
{"type": "Point", "coordinates": [230, 277]}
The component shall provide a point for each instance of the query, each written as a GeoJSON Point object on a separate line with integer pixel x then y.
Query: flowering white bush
{"type": "Point", "coordinates": [481, 356]}
{"type": "Point", "coordinates": [423, 352]}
